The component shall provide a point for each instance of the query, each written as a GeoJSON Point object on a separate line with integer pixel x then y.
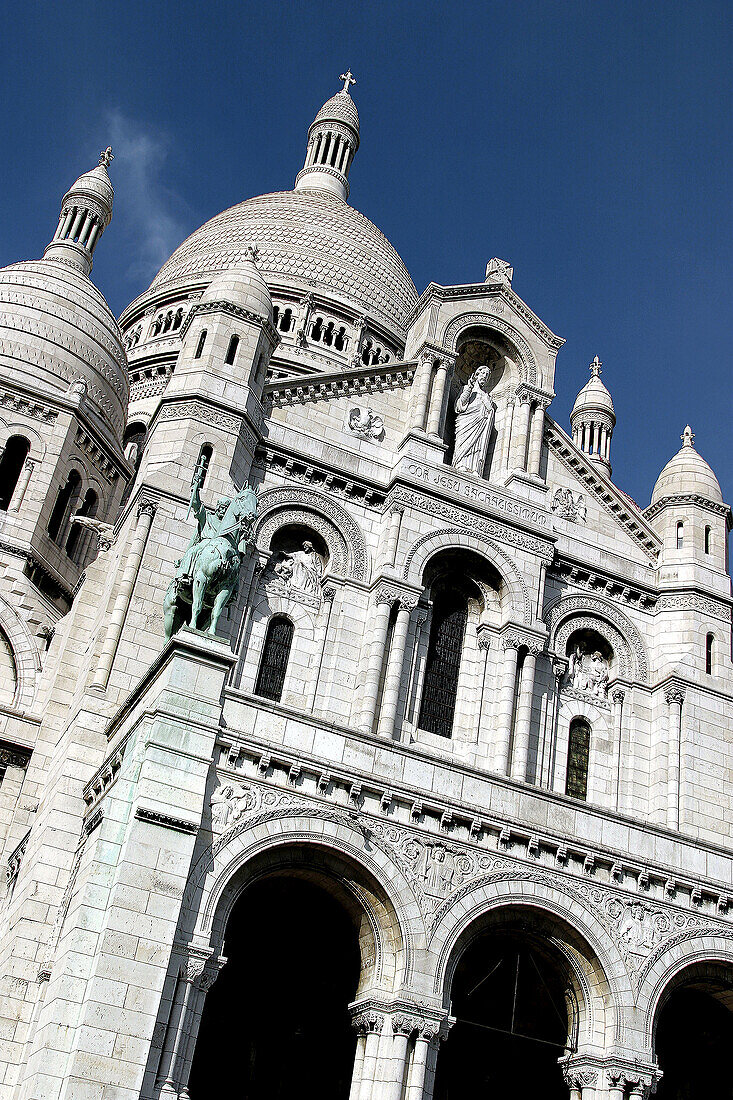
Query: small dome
{"type": "Point", "coordinates": [339, 108]}
{"type": "Point", "coordinates": [594, 396]}
{"type": "Point", "coordinates": [243, 286]}
{"type": "Point", "coordinates": [57, 330]}
{"type": "Point", "coordinates": [97, 183]}
{"type": "Point", "coordinates": [686, 474]}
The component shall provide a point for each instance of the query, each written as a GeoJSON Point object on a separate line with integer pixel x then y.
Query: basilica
{"type": "Point", "coordinates": [360, 738]}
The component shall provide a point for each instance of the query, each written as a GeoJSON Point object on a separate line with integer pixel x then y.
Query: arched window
{"type": "Point", "coordinates": [275, 315]}
{"type": "Point", "coordinates": [709, 653]}
{"type": "Point", "coordinates": [680, 535]}
{"type": "Point", "coordinates": [178, 319]}
{"type": "Point", "coordinates": [339, 340]}
{"type": "Point", "coordinates": [286, 321]}
{"type": "Point", "coordinates": [275, 654]}
{"type": "Point", "coordinates": [200, 345]}
{"type": "Point", "coordinates": [65, 502]}
{"type": "Point", "coordinates": [328, 334]}
{"type": "Point", "coordinates": [708, 539]}
{"type": "Point", "coordinates": [204, 461]}
{"type": "Point", "coordinates": [447, 630]}
{"type": "Point", "coordinates": [88, 508]}
{"type": "Point", "coordinates": [576, 782]}
{"type": "Point", "coordinates": [11, 463]}
{"type": "Point", "coordinates": [133, 443]}
{"type": "Point", "coordinates": [317, 329]}
{"type": "Point", "coordinates": [232, 350]}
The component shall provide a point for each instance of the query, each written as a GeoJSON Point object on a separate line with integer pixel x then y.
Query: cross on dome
{"type": "Point", "coordinates": [348, 78]}
{"type": "Point", "coordinates": [595, 367]}
{"type": "Point", "coordinates": [106, 156]}
{"type": "Point", "coordinates": [688, 437]}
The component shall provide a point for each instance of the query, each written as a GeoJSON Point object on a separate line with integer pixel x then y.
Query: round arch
{"type": "Point", "coordinates": [454, 328]}
{"type": "Point", "coordinates": [571, 613]}
{"type": "Point", "coordinates": [25, 654]}
{"type": "Point", "coordinates": [331, 519]}
{"type": "Point", "coordinates": [428, 546]}
{"type": "Point", "coordinates": [603, 987]}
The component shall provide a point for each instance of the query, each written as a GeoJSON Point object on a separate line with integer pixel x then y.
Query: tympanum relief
{"type": "Point", "coordinates": [588, 672]}
{"type": "Point", "coordinates": [296, 574]}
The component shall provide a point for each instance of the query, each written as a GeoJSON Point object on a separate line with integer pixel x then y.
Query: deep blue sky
{"type": "Point", "coordinates": [588, 143]}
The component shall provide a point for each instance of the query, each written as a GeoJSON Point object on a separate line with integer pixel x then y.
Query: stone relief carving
{"type": "Point", "coordinates": [475, 413]}
{"type": "Point", "coordinates": [499, 271]}
{"type": "Point", "coordinates": [623, 636]}
{"type": "Point", "coordinates": [528, 363]}
{"type": "Point", "coordinates": [366, 423]}
{"type": "Point", "coordinates": [588, 672]}
{"type": "Point", "coordinates": [296, 574]}
{"type": "Point", "coordinates": [341, 519]}
{"type": "Point", "coordinates": [228, 802]}
{"type": "Point", "coordinates": [569, 505]}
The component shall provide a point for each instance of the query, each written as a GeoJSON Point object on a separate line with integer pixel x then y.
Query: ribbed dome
{"type": "Point", "coordinates": [687, 473]}
{"type": "Point", "coordinates": [339, 108]}
{"type": "Point", "coordinates": [593, 396]}
{"type": "Point", "coordinates": [95, 182]}
{"type": "Point", "coordinates": [56, 329]}
{"type": "Point", "coordinates": [307, 239]}
{"type": "Point", "coordinates": [242, 286]}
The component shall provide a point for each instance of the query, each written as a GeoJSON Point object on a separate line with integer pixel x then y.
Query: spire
{"type": "Point", "coordinates": [595, 367]}
{"type": "Point", "coordinates": [333, 139]}
{"type": "Point", "coordinates": [688, 437]}
{"type": "Point", "coordinates": [593, 418]}
{"type": "Point", "coordinates": [86, 211]}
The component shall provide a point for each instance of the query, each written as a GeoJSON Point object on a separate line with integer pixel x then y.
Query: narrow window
{"type": "Point", "coordinates": [708, 539]}
{"type": "Point", "coordinates": [275, 315]}
{"type": "Point", "coordinates": [680, 535]}
{"type": "Point", "coordinates": [576, 783]}
{"type": "Point", "coordinates": [709, 645]}
{"type": "Point", "coordinates": [88, 508]}
{"type": "Point", "coordinates": [11, 464]}
{"type": "Point", "coordinates": [204, 461]}
{"type": "Point", "coordinates": [287, 321]}
{"type": "Point", "coordinates": [275, 654]}
{"type": "Point", "coordinates": [317, 329]}
{"type": "Point", "coordinates": [133, 443]}
{"type": "Point", "coordinates": [232, 350]}
{"type": "Point", "coordinates": [200, 345]}
{"type": "Point", "coordinates": [445, 647]}
{"type": "Point", "coordinates": [178, 319]}
{"type": "Point", "coordinates": [64, 503]}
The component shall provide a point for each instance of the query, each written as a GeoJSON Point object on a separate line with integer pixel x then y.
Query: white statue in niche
{"type": "Point", "coordinates": [475, 413]}
{"type": "Point", "coordinates": [298, 570]}
{"type": "Point", "coordinates": [588, 673]}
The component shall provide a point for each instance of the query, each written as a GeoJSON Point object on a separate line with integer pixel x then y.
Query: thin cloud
{"type": "Point", "coordinates": [149, 210]}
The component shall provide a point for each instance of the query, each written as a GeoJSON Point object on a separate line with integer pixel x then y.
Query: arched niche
{"type": "Point", "coordinates": [579, 612]}
{"type": "Point", "coordinates": [496, 332]}
{"type": "Point", "coordinates": [24, 656]}
{"type": "Point", "coordinates": [344, 540]}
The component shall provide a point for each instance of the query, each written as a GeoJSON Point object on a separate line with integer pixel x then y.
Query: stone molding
{"type": "Point", "coordinates": [185, 407]}
{"type": "Point", "coordinates": [527, 361]}
{"type": "Point", "coordinates": [23, 647]}
{"type": "Point", "coordinates": [676, 500]}
{"type": "Point", "coordinates": [233, 310]}
{"type": "Point", "coordinates": [694, 601]}
{"type": "Point", "coordinates": [311, 168]}
{"type": "Point", "coordinates": [338, 551]}
{"type": "Point", "coordinates": [603, 584]}
{"type": "Point", "coordinates": [393, 594]}
{"type": "Point", "coordinates": [368, 380]}
{"type": "Point", "coordinates": [287, 465]}
{"type": "Point", "coordinates": [27, 406]}
{"type": "Point", "coordinates": [316, 503]}
{"type": "Point", "coordinates": [154, 817]}
{"type": "Point", "coordinates": [580, 612]}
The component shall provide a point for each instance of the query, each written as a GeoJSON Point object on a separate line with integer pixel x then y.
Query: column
{"type": "Point", "coordinates": [519, 433]}
{"type": "Point", "coordinates": [617, 698]}
{"type": "Point", "coordinates": [358, 1062]}
{"type": "Point", "coordinates": [384, 600]}
{"type": "Point", "coordinates": [77, 222]}
{"type": "Point", "coordinates": [541, 590]}
{"type": "Point", "coordinates": [20, 488]}
{"type": "Point", "coordinates": [393, 535]}
{"type": "Point", "coordinates": [372, 1023]}
{"type": "Point", "coordinates": [145, 513]}
{"type": "Point", "coordinates": [535, 439]}
{"type": "Point", "coordinates": [506, 433]}
{"type": "Point", "coordinates": [175, 1045]}
{"type": "Point", "coordinates": [203, 985]}
{"type": "Point", "coordinates": [616, 1087]}
{"type": "Point", "coordinates": [93, 236]}
{"type": "Point", "coordinates": [520, 754]}
{"type": "Point", "coordinates": [395, 664]}
{"type": "Point", "coordinates": [581, 1083]}
{"type": "Point", "coordinates": [511, 644]}
{"type": "Point", "coordinates": [484, 644]}
{"type": "Point", "coordinates": [416, 1079]}
{"type": "Point", "coordinates": [435, 414]}
{"type": "Point", "coordinates": [394, 1080]}
{"type": "Point", "coordinates": [329, 593]}
{"type": "Point", "coordinates": [674, 697]}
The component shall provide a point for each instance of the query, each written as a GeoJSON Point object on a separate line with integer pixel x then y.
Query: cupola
{"type": "Point", "coordinates": [333, 139]}
{"type": "Point", "coordinates": [687, 474]}
{"type": "Point", "coordinates": [593, 419]}
{"type": "Point", "coordinates": [86, 211]}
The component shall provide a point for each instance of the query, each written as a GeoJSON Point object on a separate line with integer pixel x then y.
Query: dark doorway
{"type": "Point", "coordinates": [693, 1046]}
{"type": "Point", "coordinates": [508, 997]}
{"type": "Point", "coordinates": [276, 1023]}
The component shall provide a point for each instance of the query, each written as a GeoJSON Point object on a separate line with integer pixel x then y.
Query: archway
{"type": "Point", "coordinates": [276, 1023]}
{"type": "Point", "coordinates": [693, 1035]}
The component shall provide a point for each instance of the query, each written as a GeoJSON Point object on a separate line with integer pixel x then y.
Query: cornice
{"type": "Point", "coordinates": [335, 384]}
{"type": "Point", "coordinates": [604, 491]}
{"type": "Point", "coordinates": [294, 466]}
{"type": "Point", "coordinates": [472, 291]}
{"type": "Point", "coordinates": [605, 584]}
{"type": "Point", "coordinates": [239, 312]}
{"type": "Point", "coordinates": [677, 499]}
{"type": "Point", "coordinates": [324, 168]}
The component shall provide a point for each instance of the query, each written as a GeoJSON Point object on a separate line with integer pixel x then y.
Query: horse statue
{"type": "Point", "coordinates": [207, 576]}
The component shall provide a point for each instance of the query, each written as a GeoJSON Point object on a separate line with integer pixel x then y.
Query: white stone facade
{"type": "Point", "coordinates": [148, 785]}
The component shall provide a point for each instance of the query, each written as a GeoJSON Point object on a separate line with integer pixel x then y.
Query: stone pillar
{"type": "Point", "coordinates": [25, 475]}
{"type": "Point", "coordinates": [581, 1082]}
{"type": "Point", "coordinates": [511, 644]}
{"type": "Point", "coordinates": [535, 439]}
{"type": "Point", "coordinates": [520, 753]}
{"type": "Point", "coordinates": [435, 414]}
{"type": "Point", "coordinates": [541, 590]}
{"type": "Point", "coordinates": [372, 1023]}
{"type": "Point", "coordinates": [175, 1044]}
{"type": "Point", "coordinates": [145, 513]}
{"type": "Point", "coordinates": [375, 658]}
{"type": "Point", "coordinates": [506, 434]}
{"type": "Point", "coordinates": [421, 391]}
{"type": "Point", "coordinates": [520, 429]}
{"type": "Point", "coordinates": [617, 697]}
{"type": "Point", "coordinates": [395, 664]}
{"type": "Point", "coordinates": [483, 637]}
{"type": "Point", "coordinates": [329, 594]}
{"type": "Point", "coordinates": [358, 1062]}
{"type": "Point", "coordinates": [393, 535]}
{"type": "Point", "coordinates": [674, 698]}
{"type": "Point", "coordinates": [392, 1080]}
{"type": "Point", "coordinates": [203, 985]}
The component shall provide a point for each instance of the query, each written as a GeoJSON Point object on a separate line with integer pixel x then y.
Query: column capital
{"type": "Point", "coordinates": [674, 693]}
{"type": "Point", "coordinates": [194, 963]}
{"type": "Point", "coordinates": [146, 507]}
{"type": "Point", "coordinates": [484, 636]}
{"type": "Point", "coordinates": [516, 637]}
{"type": "Point", "coordinates": [618, 695]}
{"type": "Point", "coordinates": [393, 594]}
{"type": "Point", "coordinates": [367, 1021]}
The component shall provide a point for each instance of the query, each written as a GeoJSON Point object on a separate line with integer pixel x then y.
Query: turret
{"type": "Point", "coordinates": [333, 139]}
{"type": "Point", "coordinates": [86, 211]}
{"type": "Point", "coordinates": [593, 419]}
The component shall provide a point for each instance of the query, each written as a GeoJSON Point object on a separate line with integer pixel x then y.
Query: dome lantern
{"type": "Point", "coordinates": [593, 419]}
{"type": "Point", "coordinates": [86, 211]}
{"type": "Point", "coordinates": [333, 139]}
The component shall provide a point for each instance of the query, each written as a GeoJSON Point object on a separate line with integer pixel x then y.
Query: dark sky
{"type": "Point", "coordinates": [588, 143]}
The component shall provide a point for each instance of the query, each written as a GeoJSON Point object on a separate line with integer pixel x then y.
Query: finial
{"type": "Point", "coordinates": [106, 156]}
{"type": "Point", "coordinates": [252, 253]}
{"type": "Point", "coordinates": [347, 78]}
{"type": "Point", "coordinates": [688, 437]}
{"type": "Point", "coordinates": [595, 367]}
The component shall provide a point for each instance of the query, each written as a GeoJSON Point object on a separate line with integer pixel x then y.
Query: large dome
{"type": "Point", "coordinates": [56, 329]}
{"type": "Point", "coordinates": [309, 238]}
